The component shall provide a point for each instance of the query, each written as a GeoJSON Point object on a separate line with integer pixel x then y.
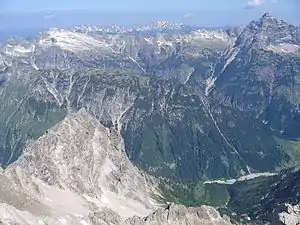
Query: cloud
{"type": "Point", "coordinates": [254, 3]}
{"type": "Point", "coordinates": [49, 16]}
{"type": "Point", "coordinates": [188, 15]}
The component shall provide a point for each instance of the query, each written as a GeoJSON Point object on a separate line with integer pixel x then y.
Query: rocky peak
{"type": "Point", "coordinates": [81, 156]}
{"type": "Point", "coordinates": [267, 31]}
{"type": "Point", "coordinates": [267, 18]}
{"type": "Point", "coordinates": [84, 163]}
{"type": "Point", "coordinates": [270, 26]}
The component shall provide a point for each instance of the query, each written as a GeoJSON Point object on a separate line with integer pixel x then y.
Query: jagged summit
{"type": "Point", "coordinates": [156, 26]}
{"type": "Point", "coordinates": [268, 20]}
{"type": "Point", "coordinates": [263, 22]}
{"type": "Point", "coordinates": [267, 16]}
{"type": "Point", "coordinates": [269, 31]}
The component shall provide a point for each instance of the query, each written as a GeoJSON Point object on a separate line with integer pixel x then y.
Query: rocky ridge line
{"type": "Point", "coordinates": [78, 173]}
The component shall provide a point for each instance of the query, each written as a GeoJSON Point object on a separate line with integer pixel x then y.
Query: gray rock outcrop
{"type": "Point", "coordinates": [180, 215]}
{"type": "Point", "coordinates": [78, 173]}
{"type": "Point", "coordinates": [291, 216]}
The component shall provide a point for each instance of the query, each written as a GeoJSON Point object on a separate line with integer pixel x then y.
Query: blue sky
{"type": "Point", "coordinates": [147, 5]}
{"type": "Point", "coordinates": [118, 5]}
{"type": "Point", "coordinates": [198, 12]}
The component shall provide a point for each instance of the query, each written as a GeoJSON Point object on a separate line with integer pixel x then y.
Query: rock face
{"type": "Point", "coordinates": [82, 156]}
{"type": "Point", "coordinates": [155, 53]}
{"type": "Point", "coordinates": [291, 216]}
{"type": "Point", "coordinates": [159, 120]}
{"type": "Point", "coordinates": [180, 215]}
{"type": "Point", "coordinates": [172, 215]}
{"type": "Point", "coordinates": [261, 76]}
{"type": "Point", "coordinates": [78, 173]}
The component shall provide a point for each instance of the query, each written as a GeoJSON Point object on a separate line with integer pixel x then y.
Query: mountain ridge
{"type": "Point", "coordinates": [186, 107]}
{"type": "Point", "coordinates": [93, 184]}
{"type": "Point", "coordinates": [49, 60]}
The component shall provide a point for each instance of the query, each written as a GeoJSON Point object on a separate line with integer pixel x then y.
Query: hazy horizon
{"type": "Point", "coordinates": [67, 18]}
{"type": "Point", "coordinates": [215, 13]}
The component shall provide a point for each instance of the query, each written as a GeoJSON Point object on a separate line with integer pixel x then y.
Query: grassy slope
{"type": "Point", "coordinates": [22, 118]}
{"type": "Point", "coordinates": [195, 193]}
{"type": "Point", "coordinates": [292, 149]}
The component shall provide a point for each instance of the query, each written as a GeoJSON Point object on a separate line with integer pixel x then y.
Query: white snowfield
{"type": "Point", "coordinates": [19, 50]}
{"type": "Point", "coordinates": [76, 41]}
{"type": "Point", "coordinates": [284, 48]}
{"type": "Point", "coordinates": [210, 35]}
{"type": "Point", "coordinates": [80, 40]}
{"type": "Point", "coordinates": [71, 41]}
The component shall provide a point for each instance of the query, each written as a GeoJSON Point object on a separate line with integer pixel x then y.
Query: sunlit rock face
{"type": "Point", "coordinates": [179, 215]}
{"type": "Point", "coordinates": [78, 173]}
{"type": "Point", "coordinates": [291, 215]}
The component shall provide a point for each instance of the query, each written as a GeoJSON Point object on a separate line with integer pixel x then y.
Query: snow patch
{"type": "Point", "coordinates": [34, 66]}
{"type": "Point", "coordinates": [149, 41]}
{"type": "Point", "coordinates": [256, 175]}
{"type": "Point", "coordinates": [189, 75]}
{"type": "Point", "coordinates": [41, 222]}
{"type": "Point", "coordinates": [104, 199]}
{"type": "Point", "coordinates": [125, 207]}
{"type": "Point", "coordinates": [48, 199]}
{"type": "Point", "coordinates": [210, 82]}
{"type": "Point", "coordinates": [265, 122]}
{"type": "Point", "coordinates": [78, 215]}
{"type": "Point", "coordinates": [231, 181]}
{"type": "Point", "coordinates": [72, 41]}
{"type": "Point", "coordinates": [19, 50]}
{"type": "Point", "coordinates": [133, 60]}
{"type": "Point", "coordinates": [284, 48]}
{"type": "Point", "coordinates": [62, 220]}
{"type": "Point", "coordinates": [83, 222]}
{"type": "Point", "coordinates": [210, 35]}
{"type": "Point", "coordinates": [233, 55]}
{"type": "Point", "coordinates": [71, 204]}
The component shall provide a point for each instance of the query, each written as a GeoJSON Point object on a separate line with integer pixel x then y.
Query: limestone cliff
{"type": "Point", "coordinates": [78, 173]}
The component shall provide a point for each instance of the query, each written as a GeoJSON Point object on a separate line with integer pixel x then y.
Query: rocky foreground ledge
{"type": "Point", "coordinates": [78, 174]}
{"type": "Point", "coordinates": [172, 215]}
